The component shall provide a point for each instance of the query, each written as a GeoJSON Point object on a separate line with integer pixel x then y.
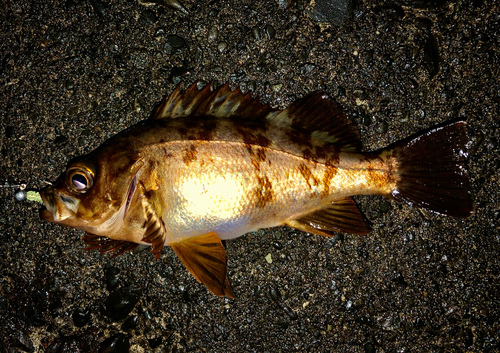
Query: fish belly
{"type": "Point", "coordinates": [232, 188]}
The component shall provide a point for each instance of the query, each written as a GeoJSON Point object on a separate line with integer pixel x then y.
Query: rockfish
{"type": "Point", "coordinates": [211, 165]}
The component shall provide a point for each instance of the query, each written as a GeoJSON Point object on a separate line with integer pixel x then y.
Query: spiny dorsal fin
{"type": "Point", "coordinates": [322, 118]}
{"type": "Point", "coordinates": [220, 103]}
{"type": "Point", "coordinates": [154, 227]}
{"type": "Point", "coordinates": [205, 257]}
{"type": "Point", "coordinates": [106, 245]}
{"type": "Point", "coordinates": [339, 216]}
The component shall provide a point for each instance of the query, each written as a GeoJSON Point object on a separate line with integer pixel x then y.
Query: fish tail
{"type": "Point", "coordinates": [430, 170]}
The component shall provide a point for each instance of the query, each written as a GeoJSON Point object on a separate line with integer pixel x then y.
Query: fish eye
{"type": "Point", "coordinates": [79, 180]}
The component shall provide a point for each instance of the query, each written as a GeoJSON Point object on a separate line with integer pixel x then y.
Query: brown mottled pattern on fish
{"type": "Point", "coordinates": [213, 165]}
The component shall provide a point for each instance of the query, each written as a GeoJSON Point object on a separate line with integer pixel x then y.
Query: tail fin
{"type": "Point", "coordinates": [430, 170]}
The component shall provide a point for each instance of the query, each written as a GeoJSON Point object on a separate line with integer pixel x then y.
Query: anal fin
{"type": "Point", "coordinates": [205, 257]}
{"type": "Point", "coordinates": [339, 216]}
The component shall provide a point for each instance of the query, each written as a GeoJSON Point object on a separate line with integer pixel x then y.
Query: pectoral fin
{"type": "Point", "coordinates": [205, 257]}
{"type": "Point", "coordinates": [154, 227]}
{"type": "Point", "coordinates": [339, 216]}
{"type": "Point", "coordinates": [106, 245]}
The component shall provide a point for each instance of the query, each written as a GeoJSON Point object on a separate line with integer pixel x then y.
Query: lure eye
{"type": "Point", "coordinates": [79, 180]}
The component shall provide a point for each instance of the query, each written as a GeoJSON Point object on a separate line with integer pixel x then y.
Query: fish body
{"type": "Point", "coordinates": [214, 165]}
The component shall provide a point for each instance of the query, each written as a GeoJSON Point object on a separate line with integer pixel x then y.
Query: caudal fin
{"type": "Point", "coordinates": [430, 170]}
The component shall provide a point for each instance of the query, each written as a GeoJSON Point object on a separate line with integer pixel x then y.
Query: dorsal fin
{"type": "Point", "coordinates": [316, 114]}
{"type": "Point", "coordinates": [322, 118]}
{"type": "Point", "coordinates": [220, 103]}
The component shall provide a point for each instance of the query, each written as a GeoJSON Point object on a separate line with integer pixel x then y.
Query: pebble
{"type": "Point", "coordinates": [160, 32]}
{"type": "Point", "coordinates": [213, 33]}
{"type": "Point", "coordinates": [9, 131]}
{"type": "Point", "coordinates": [148, 18]}
{"type": "Point", "coordinates": [256, 33]}
{"type": "Point", "coordinates": [173, 4]}
{"type": "Point", "coordinates": [175, 41]}
{"type": "Point", "coordinates": [118, 343]}
{"type": "Point", "coordinates": [307, 68]}
{"type": "Point", "coordinates": [334, 11]}
{"type": "Point", "coordinates": [277, 88]}
{"type": "Point", "coordinates": [121, 302]}
{"type": "Point", "coordinates": [221, 46]}
{"type": "Point", "coordinates": [369, 348]}
{"type": "Point", "coordinates": [130, 323]}
{"type": "Point", "coordinates": [269, 258]}
{"type": "Point", "coordinates": [81, 317]}
{"type": "Point", "coordinates": [270, 32]}
{"type": "Point", "coordinates": [111, 275]}
{"type": "Point", "coordinates": [154, 342]}
{"type": "Point", "coordinates": [23, 341]}
{"type": "Point", "coordinates": [382, 127]}
{"type": "Point", "coordinates": [384, 206]}
{"type": "Point", "coordinates": [275, 294]}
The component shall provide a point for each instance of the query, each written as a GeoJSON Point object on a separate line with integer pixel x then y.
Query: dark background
{"type": "Point", "coordinates": [73, 73]}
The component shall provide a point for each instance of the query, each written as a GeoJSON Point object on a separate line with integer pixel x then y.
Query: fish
{"type": "Point", "coordinates": [213, 164]}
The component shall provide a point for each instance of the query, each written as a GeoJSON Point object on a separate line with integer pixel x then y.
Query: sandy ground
{"type": "Point", "coordinates": [73, 73]}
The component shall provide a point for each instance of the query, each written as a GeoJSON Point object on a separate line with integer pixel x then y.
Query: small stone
{"type": "Point", "coordinates": [270, 32]}
{"type": "Point", "coordinates": [308, 68]}
{"type": "Point", "coordinates": [81, 317]}
{"type": "Point", "coordinates": [117, 343]}
{"type": "Point", "coordinates": [148, 18]}
{"type": "Point", "coordinates": [154, 342]}
{"type": "Point", "coordinates": [277, 88]}
{"type": "Point", "coordinates": [369, 348]}
{"type": "Point", "coordinates": [138, 105]}
{"type": "Point", "coordinates": [175, 41]}
{"type": "Point", "coordinates": [23, 340]}
{"type": "Point", "coordinates": [269, 258]}
{"type": "Point", "coordinates": [130, 323]}
{"type": "Point", "coordinates": [382, 127]}
{"type": "Point", "coordinates": [221, 46]}
{"type": "Point", "coordinates": [173, 4]}
{"type": "Point", "coordinates": [275, 294]}
{"type": "Point", "coordinates": [121, 302]}
{"type": "Point", "coordinates": [160, 32]}
{"type": "Point", "coordinates": [384, 206]}
{"type": "Point", "coordinates": [333, 11]}
{"type": "Point", "coordinates": [111, 275]}
{"type": "Point", "coordinates": [256, 33]}
{"type": "Point", "coordinates": [213, 33]}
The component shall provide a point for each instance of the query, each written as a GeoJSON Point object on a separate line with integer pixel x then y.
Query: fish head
{"type": "Point", "coordinates": [94, 194]}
